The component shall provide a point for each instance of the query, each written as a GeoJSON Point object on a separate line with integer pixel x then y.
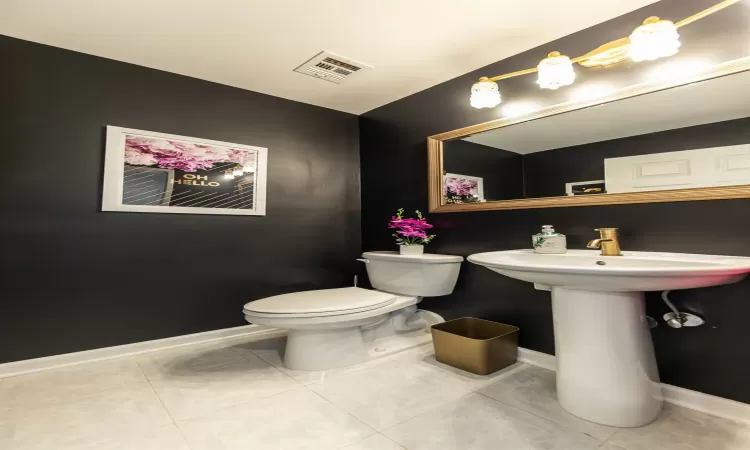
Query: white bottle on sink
{"type": "Point", "coordinates": [549, 241]}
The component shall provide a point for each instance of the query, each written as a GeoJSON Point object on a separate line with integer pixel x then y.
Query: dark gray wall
{"type": "Point", "coordinates": [714, 358]}
{"type": "Point", "coordinates": [501, 171]}
{"type": "Point", "coordinates": [75, 278]}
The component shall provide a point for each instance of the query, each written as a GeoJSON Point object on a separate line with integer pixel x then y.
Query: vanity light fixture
{"type": "Point", "coordinates": [555, 70]}
{"type": "Point", "coordinates": [485, 94]}
{"type": "Point", "coordinates": [655, 38]}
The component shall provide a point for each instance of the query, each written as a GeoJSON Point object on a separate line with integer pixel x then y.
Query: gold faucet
{"type": "Point", "coordinates": [608, 241]}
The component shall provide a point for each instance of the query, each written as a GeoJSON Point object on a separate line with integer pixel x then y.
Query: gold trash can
{"type": "Point", "coordinates": [475, 345]}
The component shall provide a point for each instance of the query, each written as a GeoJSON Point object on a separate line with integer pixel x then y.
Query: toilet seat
{"type": "Point", "coordinates": [319, 303]}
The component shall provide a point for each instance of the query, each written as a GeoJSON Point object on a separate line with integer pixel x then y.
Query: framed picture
{"type": "Point", "coordinates": [462, 188]}
{"type": "Point", "coordinates": [586, 187]}
{"type": "Point", "coordinates": [153, 172]}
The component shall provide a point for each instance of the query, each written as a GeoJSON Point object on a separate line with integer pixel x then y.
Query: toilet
{"type": "Point", "coordinates": [331, 328]}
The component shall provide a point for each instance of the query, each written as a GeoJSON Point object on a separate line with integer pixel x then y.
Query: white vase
{"type": "Point", "coordinates": [411, 249]}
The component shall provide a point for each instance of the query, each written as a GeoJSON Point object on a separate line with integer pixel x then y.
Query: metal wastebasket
{"type": "Point", "coordinates": [475, 345]}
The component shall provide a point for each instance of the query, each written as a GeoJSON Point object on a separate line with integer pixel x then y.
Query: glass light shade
{"type": "Point", "coordinates": [237, 172]}
{"type": "Point", "coordinates": [485, 94]}
{"type": "Point", "coordinates": [654, 39]}
{"type": "Point", "coordinates": [555, 70]}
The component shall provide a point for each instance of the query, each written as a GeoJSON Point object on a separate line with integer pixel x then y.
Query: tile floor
{"type": "Point", "coordinates": [237, 395]}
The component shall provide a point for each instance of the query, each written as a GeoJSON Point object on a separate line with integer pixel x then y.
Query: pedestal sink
{"type": "Point", "coordinates": [606, 370]}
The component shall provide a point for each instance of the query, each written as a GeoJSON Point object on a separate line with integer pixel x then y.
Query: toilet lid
{"type": "Point", "coordinates": [323, 302]}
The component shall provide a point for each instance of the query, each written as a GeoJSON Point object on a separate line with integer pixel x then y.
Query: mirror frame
{"type": "Point", "coordinates": [435, 155]}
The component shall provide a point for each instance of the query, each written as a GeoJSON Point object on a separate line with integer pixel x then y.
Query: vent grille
{"type": "Point", "coordinates": [330, 67]}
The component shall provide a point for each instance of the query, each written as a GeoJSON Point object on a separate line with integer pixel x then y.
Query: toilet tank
{"type": "Point", "coordinates": [427, 275]}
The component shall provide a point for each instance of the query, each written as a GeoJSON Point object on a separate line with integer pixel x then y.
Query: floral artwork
{"type": "Point", "coordinates": [462, 189]}
{"type": "Point", "coordinates": [181, 155]}
{"type": "Point", "coordinates": [410, 231]}
{"type": "Point", "coordinates": [156, 172]}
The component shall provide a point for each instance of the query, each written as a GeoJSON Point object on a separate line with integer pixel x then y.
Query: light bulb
{"type": "Point", "coordinates": [654, 39]}
{"type": "Point", "coordinates": [485, 94]}
{"type": "Point", "coordinates": [555, 70]}
{"type": "Point", "coordinates": [228, 176]}
{"type": "Point", "coordinates": [237, 172]}
{"type": "Point", "coordinates": [248, 169]}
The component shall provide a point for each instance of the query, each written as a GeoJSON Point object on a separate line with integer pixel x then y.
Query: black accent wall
{"type": "Point", "coordinates": [501, 170]}
{"type": "Point", "coordinates": [75, 278]}
{"type": "Point", "coordinates": [714, 358]}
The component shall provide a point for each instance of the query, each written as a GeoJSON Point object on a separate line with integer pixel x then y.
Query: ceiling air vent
{"type": "Point", "coordinates": [330, 67]}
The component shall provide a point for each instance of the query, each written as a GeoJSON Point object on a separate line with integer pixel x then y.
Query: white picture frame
{"type": "Point", "coordinates": [478, 180]}
{"type": "Point", "coordinates": [210, 160]}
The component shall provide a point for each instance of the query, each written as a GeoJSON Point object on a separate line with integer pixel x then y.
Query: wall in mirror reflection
{"type": "Point", "coordinates": [685, 137]}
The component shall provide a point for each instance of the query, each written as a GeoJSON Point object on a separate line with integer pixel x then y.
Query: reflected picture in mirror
{"type": "Point", "coordinates": [691, 136]}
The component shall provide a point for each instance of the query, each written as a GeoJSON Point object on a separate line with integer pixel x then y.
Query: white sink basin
{"type": "Point", "coordinates": [634, 271]}
{"type": "Point", "coordinates": [606, 370]}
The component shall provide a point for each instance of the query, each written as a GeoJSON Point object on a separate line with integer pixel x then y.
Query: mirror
{"type": "Point", "coordinates": [689, 139]}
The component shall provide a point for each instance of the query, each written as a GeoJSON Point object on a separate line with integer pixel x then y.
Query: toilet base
{"type": "Point", "coordinates": [324, 349]}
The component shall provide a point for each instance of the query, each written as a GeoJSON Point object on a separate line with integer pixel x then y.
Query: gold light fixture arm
{"type": "Point", "coordinates": [705, 13]}
{"type": "Point", "coordinates": [616, 51]}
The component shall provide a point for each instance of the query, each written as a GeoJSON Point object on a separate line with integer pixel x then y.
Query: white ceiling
{"type": "Point", "coordinates": [255, 45]}
{"type": "Point", "coordinates": [710, 101]}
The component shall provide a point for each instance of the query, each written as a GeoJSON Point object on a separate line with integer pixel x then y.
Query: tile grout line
{"type": "Point", "coordinates": [169, 414]}
{"type": "Point", "coordinates": [568, 427]}
{"type": "Point", "coordinates": [392, 440]}
{"type": "Point", "coordinates": [347, 413]}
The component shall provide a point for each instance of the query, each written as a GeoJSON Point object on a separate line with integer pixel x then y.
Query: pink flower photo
{"type": "Point", "coordinates": [181, 155]}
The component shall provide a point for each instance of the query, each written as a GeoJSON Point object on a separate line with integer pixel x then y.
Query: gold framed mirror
{"type": "Point", "coordinates": [719, 89]}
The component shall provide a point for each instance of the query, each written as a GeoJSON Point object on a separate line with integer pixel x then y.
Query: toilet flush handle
{"type": "Point", "coordinates": [364, 260]}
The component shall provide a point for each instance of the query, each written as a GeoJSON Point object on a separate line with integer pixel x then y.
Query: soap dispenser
{"type": "Point", "coordinates": [548, 241]}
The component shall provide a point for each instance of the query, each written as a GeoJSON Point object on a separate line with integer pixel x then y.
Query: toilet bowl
{"type": "Point", "coordinates": [331, 328]}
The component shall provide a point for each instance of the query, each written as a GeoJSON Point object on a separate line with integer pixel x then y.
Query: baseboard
{"type": "Point", "coordinates": [70, 359]}
{"type": "Point", "coordinates": [536, 358]}
{"type": "Point", "coordinates": [709, 404]}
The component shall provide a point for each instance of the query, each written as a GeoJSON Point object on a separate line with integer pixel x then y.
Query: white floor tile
{"type": "Point", "coordinates": [166, 437]}
{"type": "Point", "coordinates": [425, 356]}
{"type": "Point", "coordinates": [374, 442]}
{"type": "Point", "coordinates": [62, 423]}
{"type": "Point", "coordinates": [294, 420]}
{"type": "Point", "coordinates": [190, 393]}
{"type": "Point", "coordinates": [391, 392]}
{"type": "Point", "coordinates": [475, 422]}
{"type": "Point", "coordinates": [194, 357]}
{"type": "Point", "coordinates": [533, 389]}
{"type": "Point", "coordinates": [68, 382]}
{"type": "Point", "coordinates": [684, 429]}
